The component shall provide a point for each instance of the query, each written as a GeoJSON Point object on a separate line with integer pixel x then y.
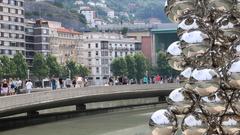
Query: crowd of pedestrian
{"type": "Point", "coordinates": [158, 79]}
{"type": "Point", "coordinates": [17, 86]}
{"type": "Point", "coordinates": [10, 86]}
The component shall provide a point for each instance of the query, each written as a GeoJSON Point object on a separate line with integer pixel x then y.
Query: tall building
{"type": "Point", "coordinates": [49, 37]}
{"type": "Point", "coordinates": [98, 51]}
{"type": "Point", "coordinates": [37, 38]}
{"type": "Point", "coordinates": [12, 27]}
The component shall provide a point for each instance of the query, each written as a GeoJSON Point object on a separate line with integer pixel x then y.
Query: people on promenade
{"type": "Point", "coordinates": [18, 86]}
{"type": "Point", "coordinates": [53, 84]}
{"type": "Point", "coordinates": [145, 80]}
{"type": "Point", "coordinates": [5, 88]}
{"type": "Point", "coordinates": [29, 86]}
{"type": "Point", "coordinates": [74, 82]}
{"type": "Point", "coordinates": [61, 83]}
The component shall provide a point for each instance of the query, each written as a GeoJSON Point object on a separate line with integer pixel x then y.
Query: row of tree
{"type": "Point", "coordinates": [137, 66]}
{"type": "Point", "coordinates": [132, 66]}
{"type": "Point", "coordinates": [42, 67]}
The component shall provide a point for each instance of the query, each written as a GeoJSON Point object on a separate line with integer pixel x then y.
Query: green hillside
{"type": "Point", "coordinates": [142, 9]}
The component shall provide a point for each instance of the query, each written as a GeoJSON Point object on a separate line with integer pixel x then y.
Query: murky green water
{"type": "Point", "coordinates": [118, 123]}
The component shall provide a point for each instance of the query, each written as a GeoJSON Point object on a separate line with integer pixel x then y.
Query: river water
{"type": "Point", "coordinates": [134, 122]}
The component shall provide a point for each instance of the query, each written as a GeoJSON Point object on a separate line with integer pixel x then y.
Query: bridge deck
{"type": "Point", "coordinates": [49, 99]}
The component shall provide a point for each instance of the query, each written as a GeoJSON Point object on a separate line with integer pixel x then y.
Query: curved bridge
{"type": "Point", "coordinates": [50, 99]}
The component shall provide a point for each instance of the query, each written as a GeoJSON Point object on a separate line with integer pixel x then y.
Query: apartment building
{"type": "Point", "coordinates": [49, 37]}
{"type": "Point", "coordinates": [12, 39]}
{"type": "Point", "coordinates": [37, 38]}
{"type": "Point", "coordinates": [64, 43]}
{"type": "Point", "coordinates": [98, 51]}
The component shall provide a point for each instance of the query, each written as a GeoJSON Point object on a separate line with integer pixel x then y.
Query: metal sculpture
{"type": "Point", "coordinates": [208, 54]}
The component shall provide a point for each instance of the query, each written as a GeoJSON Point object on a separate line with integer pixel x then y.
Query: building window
{"type": "Point", "coordinates": [89, 54]}
{"type": "Point", "coordinates": [97, 70]}
{"type": "Point", "coordinates": [89, 45]}
{"type": "Point", "coordinates": [96, 53]}
{"type": "Point", "coordinates": [98, 78]}
{"type": "Point", "coordinates": [96, 45]}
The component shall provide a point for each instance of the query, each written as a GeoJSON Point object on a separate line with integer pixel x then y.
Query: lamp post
{"type": "Point", "coordinates": [69, 74]}
{"type": "Point", "coordinates": [28, 73]}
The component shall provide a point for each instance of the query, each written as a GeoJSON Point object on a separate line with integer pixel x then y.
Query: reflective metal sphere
{"type": "Point", "coordinates": [236, 48]}
{"type": "Point", "coordinates": [191, 22]}
{"type": "Point", "coordinates": [234, 74]}
{"type": "Point", "coordinates": [175, 49]}
{"type": "Point", "coordinates": [219, 5]}
{"type": "Point", "coordinates": [177, 63]}
{"type": "Point", "coordinates": [214, 105]}
{"type": "Point", "coordinates": [235, 102]}
{"type": "Point", "coordinates": [177, 8]}
{"type": "Point", "coordinates": [180, 101]}
{"type": "Point", "coordinates": [163, 122]}
{"type": "Point", "coordinates": [195, 43]}
{"type": "Point", "coordinates": [228, 29]}
{"type": "Point", "coordinates": [206, 82]}
{"type": "Point", "coordinates": [195, 124]}
{"type": "Point", "coordinates": [186, 74]}
{"type": "Point", "coordinates": [230, 125]}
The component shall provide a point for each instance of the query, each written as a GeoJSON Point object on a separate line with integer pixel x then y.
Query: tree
{"type": "Point", "coordinates": [21, 66]}
{"type": "Point", "coordinates": [8, 67]}
{"type": "Point", "coordinates": [119, 67]}
{"type": "Point", "coordinates": [40, 68]}
{"type": "Point", "coordinates": [141, 66]}
{"type": "Point", "coordinates": [54, 67]}
{"type": "Point", "coordinates": [83, 71]}
{"type": "Point", "coordinates": [131, 68]}
{"type": "Point", "coordinates": [163, 67]}
{"type": "Point", "coordinates": [124, 31]}
{"type": "Point", "coordinates": [73, 68]}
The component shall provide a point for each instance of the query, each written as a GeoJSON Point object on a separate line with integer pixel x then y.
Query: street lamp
{"type": "Point", "coordinates": [28, 73]}
{"type": "Point", "coordinates": [69, 74]}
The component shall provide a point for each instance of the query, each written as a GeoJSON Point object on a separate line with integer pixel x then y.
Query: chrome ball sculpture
{"type": "Point", "coordinates": [208, 56]}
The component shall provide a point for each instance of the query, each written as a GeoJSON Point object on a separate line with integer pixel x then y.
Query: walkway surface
{"type": "Point", "coordinates": [16, 104]}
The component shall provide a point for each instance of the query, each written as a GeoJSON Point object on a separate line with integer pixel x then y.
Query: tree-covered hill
{"type": "Point", "coordinates": [56, 12]}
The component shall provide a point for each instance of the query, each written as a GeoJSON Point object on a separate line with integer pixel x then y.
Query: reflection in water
{"type": "Point", "coordinates": [118, 123]}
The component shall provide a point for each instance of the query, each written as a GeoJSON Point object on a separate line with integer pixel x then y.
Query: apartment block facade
{"type": "Point", "coordinates": [98, 51]}
{"type": "Point", "coordinates": [12, 31]}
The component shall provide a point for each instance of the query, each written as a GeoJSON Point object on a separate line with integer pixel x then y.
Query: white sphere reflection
{"type": "Point", "coordinates": [195, 124]}
{"type": "Point", "coordinates": [180, 101]}
{"type": "Point", "coordinates": [195, 43]}
{"type": "Point", "coordinates": [163, 122]}
{"type": "Point", "coordinates": [214, 105]}
{"type": "Point", "coordinates": [234, 74]}
{"type": "Point", "coordinates": [219, 5]}
{"type": "Point", "coordinates": [206, 81]}
{"type": "Point", "coordinates": [230, 125]}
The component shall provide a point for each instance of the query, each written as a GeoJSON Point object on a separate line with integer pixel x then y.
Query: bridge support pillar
{"type": "Point", "coordinates": [81, 107]}
{"type": "Point", "coordinates": [32, 113]}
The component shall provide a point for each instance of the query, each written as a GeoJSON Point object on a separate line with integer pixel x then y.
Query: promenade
{"type": "Point", "coordinates": [47, 99]}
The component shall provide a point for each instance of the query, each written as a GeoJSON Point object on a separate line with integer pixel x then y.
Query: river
{"type": "Point", "coordinates": [134, 122]}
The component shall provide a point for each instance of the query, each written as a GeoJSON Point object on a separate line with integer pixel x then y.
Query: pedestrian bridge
{"type": "Point", "coordinates": [16, 104]}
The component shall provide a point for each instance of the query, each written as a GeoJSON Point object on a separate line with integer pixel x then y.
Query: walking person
{"type": "Point", "coordinates": [5, 88]}
{"type": "Point", "coordinates": [74, 82]}
{"type": "Point", "coordinates": [18, 86]}
{"type": "Point", "coordinates": [61, 83]}
{"type": "Point", "coordinates": [145, 80]}
{"type": "Point", "coordinates": [53, 84]}
{"type": "Point", "coordinates": [29, 86]}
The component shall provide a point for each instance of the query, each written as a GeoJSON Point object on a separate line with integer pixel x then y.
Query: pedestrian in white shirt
{"type": "Point", "coordinates": [29, 86]}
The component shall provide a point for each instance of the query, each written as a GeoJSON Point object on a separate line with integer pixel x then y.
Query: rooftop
{"type": "Point", "coordinates": [65, 30]}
